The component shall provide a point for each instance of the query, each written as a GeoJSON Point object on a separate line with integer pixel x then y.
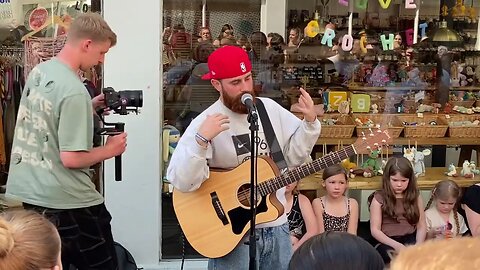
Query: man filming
{"type": "Point", "coordinates": [52, 148]}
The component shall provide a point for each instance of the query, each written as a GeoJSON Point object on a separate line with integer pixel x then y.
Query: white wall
{"type": "Point", "coordinates": [273, 15]}
{"type": "Point", "coordinates": [135, 64]}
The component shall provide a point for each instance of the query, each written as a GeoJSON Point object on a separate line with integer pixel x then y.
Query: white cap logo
{"type": "Point", "coordinates": [242, 66]}
{"type": "Point", "coordinates": [213, 72]}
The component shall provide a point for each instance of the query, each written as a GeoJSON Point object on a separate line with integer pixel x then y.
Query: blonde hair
{"type": "Point", "coordinates": [457, 253]}
{"type": "Point", "coordinates": [444, 190]}
{"type": "Point", "coordinates": [91, 26]}
{"type": "Point", "coordinates": [28, 241]}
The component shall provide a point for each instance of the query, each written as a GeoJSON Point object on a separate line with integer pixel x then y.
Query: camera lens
{"type": "Point", "coordinates": [134, 98]}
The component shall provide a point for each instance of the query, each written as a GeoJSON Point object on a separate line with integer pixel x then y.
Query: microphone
{"type": "Point", "coordinates": [247, 100]}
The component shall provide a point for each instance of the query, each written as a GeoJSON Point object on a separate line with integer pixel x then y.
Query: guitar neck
{"type": "Point", "coordinates": [296, 174]}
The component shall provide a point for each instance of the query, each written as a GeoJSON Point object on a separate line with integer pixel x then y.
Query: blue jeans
{"type": "Point", "coordinates": [274, 250]}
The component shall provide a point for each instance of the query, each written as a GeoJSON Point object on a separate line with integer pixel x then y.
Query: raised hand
{"type": "Point", "coordinates": [213, 125]}
{"type": "Point", "coordinates": [306, 106]}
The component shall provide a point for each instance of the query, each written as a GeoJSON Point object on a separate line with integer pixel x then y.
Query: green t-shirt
{"type": "Point", "coordinates": [55, 115]}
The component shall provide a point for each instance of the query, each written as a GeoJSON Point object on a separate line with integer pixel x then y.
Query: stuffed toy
{"type": "Point", "coordinates": [170, 138]}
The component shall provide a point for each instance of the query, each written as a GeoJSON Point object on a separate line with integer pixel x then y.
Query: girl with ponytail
{"type": "Point", "coordinates": [28, 241]}
{"type": "Point", "coordinates": [443, 220]}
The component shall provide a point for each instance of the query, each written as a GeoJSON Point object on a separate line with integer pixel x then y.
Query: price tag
{"type": "Point", "coordinates": [360, 103]}
{"type": "Point", "coordinates": [447, 116]}
{"type": "Point", "coordinates": [420, 115]}
{"type": "Point", "coordinates": [335, 98]}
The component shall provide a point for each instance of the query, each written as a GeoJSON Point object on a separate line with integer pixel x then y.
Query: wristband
{"type": "Point", "coordinates": [201, 138]}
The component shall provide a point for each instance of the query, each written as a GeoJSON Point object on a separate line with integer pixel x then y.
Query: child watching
{"type": "Point", "coordinates": [335, 211]}
{"type": "Point", "coordinates": [397, 217]}
{"type": "Point", "coordinates": [301, 218]}
{"type": "Point", "coordinates": [443, 220]}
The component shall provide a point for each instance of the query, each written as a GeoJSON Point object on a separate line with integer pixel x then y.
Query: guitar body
{"type": "Point", "coordinates": [215, 217]}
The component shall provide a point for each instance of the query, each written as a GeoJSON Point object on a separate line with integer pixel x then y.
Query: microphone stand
{"type": "Point", "coordinates": [253, 120]}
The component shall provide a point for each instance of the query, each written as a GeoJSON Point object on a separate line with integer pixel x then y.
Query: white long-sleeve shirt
{"type": "Point", "coordinates": [190, 162]}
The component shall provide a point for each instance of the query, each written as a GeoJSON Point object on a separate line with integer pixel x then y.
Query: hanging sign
{"type": "Point", "coordinates": [37, 18]}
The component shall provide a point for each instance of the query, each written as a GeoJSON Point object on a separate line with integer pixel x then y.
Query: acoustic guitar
{"type": "Point", "coordinates": [215, 217]}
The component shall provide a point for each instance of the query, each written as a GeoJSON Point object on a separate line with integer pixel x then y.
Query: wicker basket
{"type": "Point", "coordinates": [343, 128]}
{"type": "Point", "coordinates": [423, 129]}
{"type": "Point", "coordinates": [386, 121]}
{"type": "Point", "coordinates": [40, 49]}
{"type": "Point", "coordinates": [457, 131]}
{"type": "Point", "coordinates": [464, 103]}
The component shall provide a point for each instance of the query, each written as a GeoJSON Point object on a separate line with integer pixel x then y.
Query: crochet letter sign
{"type": "Point", "coordinates": [347, 43]}
{"type": "Point", "coordinates": [410, 4]}
{"type": "Point", "coordinates": [343, 2]}
{"type": "Point", "coordinates": [409, 36]}
{"type": "Point", "coordinates": [385, 3]}
{"type": "Point", "coordinates": [362, 4]}
{"type": "Point", "coordinates": [387, 44]}
{"type": "Point", "coordinates": [328, 37]}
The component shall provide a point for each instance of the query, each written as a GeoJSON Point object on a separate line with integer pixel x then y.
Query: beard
{"type": "Point", "coordinates": [234, 103]}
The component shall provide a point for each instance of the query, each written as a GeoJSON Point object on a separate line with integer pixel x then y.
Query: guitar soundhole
{"type": "Point", "coordinates": [243, 195]}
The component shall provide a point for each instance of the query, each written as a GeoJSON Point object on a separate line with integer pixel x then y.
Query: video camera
{"type": "Point", "coordinates": [121, 102]}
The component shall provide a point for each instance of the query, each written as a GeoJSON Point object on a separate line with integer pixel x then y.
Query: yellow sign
{"type": "Point", "coordinates": [360, 103]}
{"type": "Point", "coordinates": [335, 98]}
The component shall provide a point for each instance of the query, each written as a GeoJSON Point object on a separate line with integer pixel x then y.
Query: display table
{"type": "Point", "coordinates": [432, 176]}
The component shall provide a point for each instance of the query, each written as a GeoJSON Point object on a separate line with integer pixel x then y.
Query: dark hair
{"type": "Point", "coordinates": [410, 199]}
{"type": "Point", "coordinates": [225, 27]}
{"type": "Point", "coordinates": [336, 250]}
{"type": "Point", "coordinates": [443, 190]}
{"type": "Point", "coordinates": [202, 51]}
{"type": "Point", "coordinates": [334, 170]}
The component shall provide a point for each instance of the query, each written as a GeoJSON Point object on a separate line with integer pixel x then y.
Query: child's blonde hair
{"type": "Point", "coordinates": [457, 253]}
{"type": "Point", "coordinates": [444, 190]}
{"type": "Point", "coordinates": [28, 241]}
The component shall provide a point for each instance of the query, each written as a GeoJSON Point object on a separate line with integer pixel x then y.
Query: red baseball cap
{"type": "Point", "coordinates": [227, 62]}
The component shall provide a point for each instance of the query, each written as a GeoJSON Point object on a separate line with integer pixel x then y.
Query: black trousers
{"type": "Point", "coordinates": [384, 250]}
{"type": "Point", "coordinates": [87, 241]}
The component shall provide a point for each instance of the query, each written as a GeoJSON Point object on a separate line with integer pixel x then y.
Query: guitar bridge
{"type": "Point", "coordinates": [218, 208]}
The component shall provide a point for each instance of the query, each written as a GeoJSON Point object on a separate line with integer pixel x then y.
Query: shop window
{"type": "Point", "coordinates": [364, 72]}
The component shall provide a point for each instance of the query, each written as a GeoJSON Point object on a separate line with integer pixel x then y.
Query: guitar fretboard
{"type": "Point", "coordinates": [296, 174]}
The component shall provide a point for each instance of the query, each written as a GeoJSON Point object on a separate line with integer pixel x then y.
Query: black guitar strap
{"type": "Point", "coordinates": [272, 141]}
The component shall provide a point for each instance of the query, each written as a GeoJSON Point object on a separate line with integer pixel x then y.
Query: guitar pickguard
{"type": "Point", "coordinates": [240, 216]}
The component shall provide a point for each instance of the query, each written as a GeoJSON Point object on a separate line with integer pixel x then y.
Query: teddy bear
{"type": "Point", "coordinates": [470, 75]}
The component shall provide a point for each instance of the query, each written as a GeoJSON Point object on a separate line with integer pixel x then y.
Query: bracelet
{"type": "Point", "coordinates": [201, 138]}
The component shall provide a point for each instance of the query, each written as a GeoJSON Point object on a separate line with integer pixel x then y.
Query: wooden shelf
{"type": "Point", "coordinates": [432, 176]}
{"type": "Point", "coordinates": [409, 88]}
{"type": "Point", "coordinates": [406, 141]}
{"type": "Point", "coordinates": [390, 88]}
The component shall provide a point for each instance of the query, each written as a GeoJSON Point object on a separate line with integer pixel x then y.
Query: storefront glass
{"type": "Point", "coordinates": [390, 65]}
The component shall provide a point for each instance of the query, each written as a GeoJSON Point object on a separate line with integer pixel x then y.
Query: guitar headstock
{"type": "Point", "coordinates": [374, 140]}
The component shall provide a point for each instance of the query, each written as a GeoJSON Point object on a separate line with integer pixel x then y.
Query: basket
{"type": "Point", "coordinates": [386, 121]}
{"type": "Point", "coordinates": [40, 49]}
{"type": "Point", "coordinates": [423, 129]}
{"type": "Point", "coordinates": [343, 128]}
{"type": "Point", "coordinates": [464, 103]}
{"type": "Point", "coordinates": [463, 131]}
